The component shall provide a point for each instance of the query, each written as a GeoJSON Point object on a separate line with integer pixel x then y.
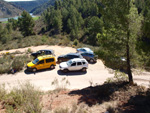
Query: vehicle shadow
{"type": "Point", "coordinates": [92, 63]}
{"type": "Point", "coordinates": [71, 73]}
{"type": "Point", "coordinates": [38, 71]}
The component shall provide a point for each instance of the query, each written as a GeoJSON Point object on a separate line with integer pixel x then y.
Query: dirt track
{"type": "Point", "coordinates": [96, 74]}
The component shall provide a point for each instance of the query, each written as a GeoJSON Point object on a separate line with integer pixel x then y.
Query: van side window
{"type": "Point", "coordinates": [50, 60]}
{"type": "Point", "coordinates": [79, 63]}
{"type": "Point", "coordinates": [76, 56]}
{"type": "Point", "coordinates": [48, 52]}
{"type": "Point", "coordinates": [83, 62]}
{"type": "Point", "coordinates": [41, 62]}
{"type": "Point", "coordinates": [69, 56]}
{"type": "Point", "coordinates": [73, 64]}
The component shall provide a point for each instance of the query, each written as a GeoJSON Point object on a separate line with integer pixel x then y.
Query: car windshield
{"type": "Point", "coordinates": [82, 49]}
{"type": "Point", "coordinates": [69, 62]}
{"type": "Point", "coordinates": [38, 52]}
{"type": "Point", "coordinates": [35, 61]}
{"type": "Point", "coordinates": [65, 56]}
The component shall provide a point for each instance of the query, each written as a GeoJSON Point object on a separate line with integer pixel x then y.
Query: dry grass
{"type": "Point", "coordinates": [25, 99]}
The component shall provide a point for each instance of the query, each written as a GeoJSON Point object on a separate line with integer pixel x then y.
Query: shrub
{"type": "Point", "coordinates": [2, 92]}
{"type": "Point", "coordinates": [5, 63]}
{"type": "Point", "coordinates": [44, 38]}
{"type": "Point", "coordinates": [65, 41]}
{"type": "Point", "coordinates": [18, 63]}
{"type": "Point", "coordinates": [60, 85]}
{"type": "Point", "coordinates": [8, 62]}
{"type": "Point", "coordinates": [118, 77]}
{"type": "Point", "coordinates": [5, 68]}
{"type": "Point", "coordinates": [29, 50]}
{"type": "Point", "coordinates": [17, 52]}
{"type": "Point", "coordinates": [7, 53]}
{"type": "Point", "coordinates": [75, 42]}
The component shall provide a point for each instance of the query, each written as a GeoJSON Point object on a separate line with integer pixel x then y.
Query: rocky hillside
{"type": "Point", "coordinates": [9, 10]}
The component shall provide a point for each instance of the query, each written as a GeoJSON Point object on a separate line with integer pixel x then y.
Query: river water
{"type": "Point", "coordinates": [16, 17]}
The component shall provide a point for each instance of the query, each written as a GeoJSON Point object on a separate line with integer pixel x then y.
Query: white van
{"type": "Point", "coordinates": [74, 65]}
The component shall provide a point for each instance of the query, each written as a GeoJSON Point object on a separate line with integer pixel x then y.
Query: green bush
{"type": "Point", "coordinates": [5, 68]}
{"type": "Point", "coordinates": [75, 42]}
{"type": "Point", "coordinates": [5, 63]}
{"type": "Point", "coordinates": [44, 38]}
{"type": "Point", "coordinates": [29, 50]}
{"type": "Point", "coordinates": [17, 63]}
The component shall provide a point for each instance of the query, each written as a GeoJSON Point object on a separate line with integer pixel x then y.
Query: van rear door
{"type": "Point", "coordinates": [49, 62]}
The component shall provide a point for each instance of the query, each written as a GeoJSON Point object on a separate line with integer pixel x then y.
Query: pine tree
{"type": "Point", "coordinates": [26, 24]}
{"type": "Point", "coordinates": [122, 25]}
{"type": "Point", "coordinates": [94, 26]}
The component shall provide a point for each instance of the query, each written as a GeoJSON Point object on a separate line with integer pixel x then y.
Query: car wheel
{"type": "Point", "coordinates": [65, 70]}
{"type": "Point", "coordinates": [34, 70]}
{"type": "Point", "coordinates": [52, 66]}
{"type": "Point", "coordinates": [59, 60]}
{"type": "Point", "coordinates": [91, 61]}
{"type": "Point", "coordinates": [83, 69]}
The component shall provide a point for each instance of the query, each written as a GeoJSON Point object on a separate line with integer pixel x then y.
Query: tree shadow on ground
{"type": "Point", "coordinates": [139, 103]}
{"type": "Point", "coordinates": [71, 73]}
{"type": "Point", "coordinates": [98, 94]}
{"type": "Point", "coordinates": [130, 98]}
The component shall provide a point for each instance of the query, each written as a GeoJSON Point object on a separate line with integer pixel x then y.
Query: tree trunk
{"type": "Point", "coordinates": [128, 59]}
{"type": "Point", "coordinates": [128, 51]}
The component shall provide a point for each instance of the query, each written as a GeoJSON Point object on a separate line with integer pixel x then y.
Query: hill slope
{"type": "Point", "coordinates": [38, 10]}
{"type": "Point", "coordinates": [9, 10]}
{"type": "Point", "coordinates": [29, 5]}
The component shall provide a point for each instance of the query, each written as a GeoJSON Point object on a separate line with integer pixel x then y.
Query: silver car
{"type": "Point", "coordinates": [91, 57]}
{"type": "Point", "coordinates": [85, 49]}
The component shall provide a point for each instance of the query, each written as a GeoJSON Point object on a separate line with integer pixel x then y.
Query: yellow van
{"type": "Point", "coordinates": [42, 62]}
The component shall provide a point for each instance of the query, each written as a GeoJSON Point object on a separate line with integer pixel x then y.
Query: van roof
{"type": "Point", "coordinates": [45, 56]}
{"type": "Point", "coordinates": [78, 59]}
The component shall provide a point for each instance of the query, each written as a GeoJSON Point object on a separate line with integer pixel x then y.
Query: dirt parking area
{"type": "Point", "coordinates": [96, 73]}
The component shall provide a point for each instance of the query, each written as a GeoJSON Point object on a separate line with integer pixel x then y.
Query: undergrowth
{"type": "Point", "coordinates": [60, 85]}
{"type": "Point", "coordinates": [25, 99]}
{"type": "Point", "coordinates": [12, 61]}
